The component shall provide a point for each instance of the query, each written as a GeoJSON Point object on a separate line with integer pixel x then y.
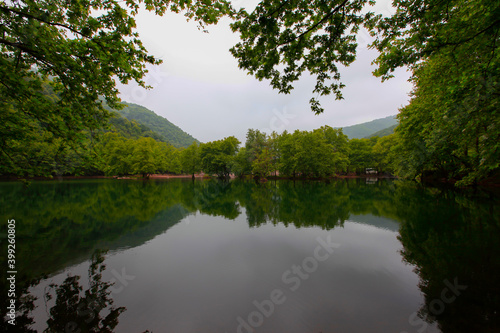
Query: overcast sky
{"type": "Point", "coordinates": [200, 88]}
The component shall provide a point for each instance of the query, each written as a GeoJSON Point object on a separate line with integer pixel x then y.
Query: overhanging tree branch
{"type": "Point", "coordinates": [27, 15]}
{"type": "Point", "coordinates": [314, 26]}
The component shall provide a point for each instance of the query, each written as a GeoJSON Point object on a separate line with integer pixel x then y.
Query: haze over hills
{"type": "Point", "coordinates": [370, 128]}
{"type": "Point", "coordinates": [163, 128]}
{"type": "Point", "coordinates": [384, 132]}
{"type": "Point", "coordinates": [135, 121]}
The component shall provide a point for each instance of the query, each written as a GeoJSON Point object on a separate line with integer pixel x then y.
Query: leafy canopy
{"type": "Point", "coordinates": [217, 157]}
{"type": "Point", "coordinates": [60, 58]}
{"type": "Point", "coordinates": [283, 39]}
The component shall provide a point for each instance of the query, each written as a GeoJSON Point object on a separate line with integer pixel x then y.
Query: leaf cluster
{"type": "Point", "coordinates": [280, 40]}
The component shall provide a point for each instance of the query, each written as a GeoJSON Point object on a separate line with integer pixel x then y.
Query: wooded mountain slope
{"type": "Point", "coordinates": [364, 130]}
{"type": "Point", "coordinates": [385, 132]}
{"type": "Point", "coordinates": [170, 132]}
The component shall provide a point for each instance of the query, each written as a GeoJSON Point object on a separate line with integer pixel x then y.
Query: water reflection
{"type": "Point", "coordinates": [73, 305]}
{"type": "Point", "coordinates": [78, 310]}
{"type": "Point", "coordinates": [454, 244]}
{"type": "Point", "coordinates": [451, 238]}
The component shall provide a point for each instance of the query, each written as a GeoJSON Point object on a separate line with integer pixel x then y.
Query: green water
{"type": "Point", "coordinates": [207, 256]}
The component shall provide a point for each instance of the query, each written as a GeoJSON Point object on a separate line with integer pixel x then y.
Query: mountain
{"type": "Point", "coordinates": [157, 124]}
{"type": "Point", "coordinates": [385, 132]}
{"type": "Point", "coordinates": [367, 129]}
{"type": "Point", "coordinates": [131, 129]}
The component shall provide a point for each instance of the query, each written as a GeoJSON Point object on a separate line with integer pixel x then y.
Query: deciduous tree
{"type": "Point", "coordinates": [59, 60]}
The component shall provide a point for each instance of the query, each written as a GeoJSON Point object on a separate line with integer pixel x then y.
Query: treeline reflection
{"type": "Point", "coordinates": [447, 235]}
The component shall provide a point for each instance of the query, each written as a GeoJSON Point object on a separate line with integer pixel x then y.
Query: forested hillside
{"type": "Point", "coordinates": [131, 129]}
{"type": "Point", "coordinates": [170, 132]}
{"type": "Point", "coordinates": [369, 128]}
{"type": "Point", "coordinates": [385, 132]}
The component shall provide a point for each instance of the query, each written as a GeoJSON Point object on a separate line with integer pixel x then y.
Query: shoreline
{"type": "Point", "coordinates": [432, 182]}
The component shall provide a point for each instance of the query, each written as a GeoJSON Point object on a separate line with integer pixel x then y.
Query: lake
{"type": "Point", "coordinates": [283, 256]}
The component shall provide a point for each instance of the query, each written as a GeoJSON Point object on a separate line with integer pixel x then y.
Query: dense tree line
{"type": "Point", "coordinates": [451, 128]}
{"type": "Point", "coordinates": [126, 149]}
{"type": "Point", "coordinates": [52, 85]}
{"type": "Point", "coordinates": [320, 153]}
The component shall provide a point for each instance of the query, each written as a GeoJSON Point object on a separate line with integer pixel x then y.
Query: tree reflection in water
{"type": "Point", "coordinates": [447, 235]}
{"type": "Point", "coordinates": [78, 310]}
{"type": "Point", "coordinates": [453, 241]}
{"type": "Point", "coordinates": [74, 309]}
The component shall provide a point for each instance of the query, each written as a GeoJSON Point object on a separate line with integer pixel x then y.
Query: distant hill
{"type": "Point", "coordinates": [367, 129]}
{"type": "Point", "coordinates": [157, 124]}
{"type": "Point", "coordinates": [385, 132]}
{"type": "Point", "coordinates": [131, 129]}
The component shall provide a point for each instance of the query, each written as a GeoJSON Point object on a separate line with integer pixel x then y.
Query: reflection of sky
{"type": "Point", "coordinates": [202, 275]}
{"type": "Point", "coordinates": [376, 221]}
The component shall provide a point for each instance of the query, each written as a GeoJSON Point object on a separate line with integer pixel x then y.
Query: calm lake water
{"type": "Point", "coordinates": [207, 256]}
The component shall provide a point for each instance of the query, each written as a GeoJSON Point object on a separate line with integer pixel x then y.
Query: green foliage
{"type": "Point", "coordinates": [314, 155]}
{"type": "Point", "coordinates": [217, 157]}
{"type": "Point", "coordinates": [385, 154]}
{"type": "Point", "coordinates": [165, 129]}
{"type": "Point", "coordinates": [132, 129]}
{"type": "Point", "coordinates": [361, 155]}
{"type": "Point", "coordinates": [241, 164]}
{"type": "Point", "coordinates": [338, 144]}
{"type": "Point", "coordinates": [256, 142]}
{"type": "Point", "coordinates": [299, 36]}
{"type": "Point", "coordinates": [421, 29]}
{"type": "Point", "coordinates": [144, 159]}
{"type": "Point", "coordinates": [120, 156]}
{"type": "Point", "coordinates": [259, 154]}
{"type": "Point", "coordinates": [59, 61]}
{"type": "Point", "coordinates": [261, 166]}
{"type": "Point", "coordinates": [319, 153]}
{"type": "Point", "coordinates": [190, 159]}
{"type": "Point", "coordinates": [115, 152]}
{"type": "Point", "coordinates": [450, 128]}
{"type": "Point", "coordinates": [46, 156]}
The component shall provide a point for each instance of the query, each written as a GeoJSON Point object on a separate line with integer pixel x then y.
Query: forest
{"type": "Point", "coordinates": [129, 148]}
{"type": "Point", "coordinates": [55, 90]}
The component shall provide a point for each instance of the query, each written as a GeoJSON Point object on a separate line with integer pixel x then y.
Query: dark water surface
{"type": "Point", "coordinates": [206, 256]}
